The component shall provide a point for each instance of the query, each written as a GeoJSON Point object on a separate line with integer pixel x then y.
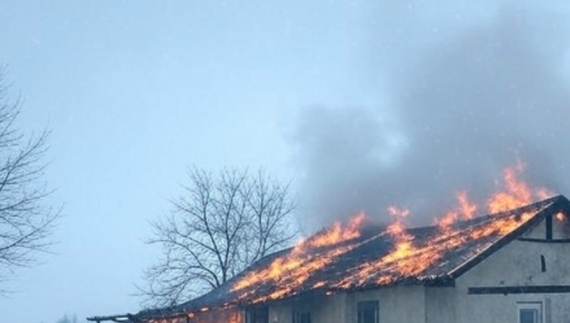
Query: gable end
{"type": "Point", "coordinates": [557, 204]}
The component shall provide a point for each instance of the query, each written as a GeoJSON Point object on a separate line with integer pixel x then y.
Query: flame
{"type": "Point", "coordinates": [517, 193]}
{"type": "Point", "coordinates": [409, 260]}
{"type": "Point", "coordinates": [397, 230]}
{"type": "Point", "coordinates": [235, 318]}
{"type": "Point", "coordinates": [464, 211]}
{"type": "Point", "coordinates": [406, 258]}
{"type": "Point", "coordinates": [336, 233]}
{"type": "Point", "coordinates": [295, 268]}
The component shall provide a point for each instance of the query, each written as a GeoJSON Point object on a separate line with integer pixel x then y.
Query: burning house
{"type": "Point", "coordinates": [509, 266]}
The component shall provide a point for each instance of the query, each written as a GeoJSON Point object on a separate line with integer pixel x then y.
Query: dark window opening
{"type": "Point", "coordinates": [257, 315]}
{"type": "Point", "coordinates": [368, 312]}
{"type": "Point", "coordinates": [549, 227]}
{"type": "Point", "coordinates": [542, 263]}
{"type": "Point", "coordinates": [530, 312]}
{"type": "Point", "coordinates": [301, 317]}
{"type": "Point", "coordinates": [528, 316]}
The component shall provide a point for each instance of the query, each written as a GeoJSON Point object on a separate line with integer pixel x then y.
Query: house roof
{"type": "Point", "coordinates": [435, 256]}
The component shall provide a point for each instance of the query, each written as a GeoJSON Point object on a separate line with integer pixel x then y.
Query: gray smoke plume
{"type": "Point", "coordinates": [466, 99]}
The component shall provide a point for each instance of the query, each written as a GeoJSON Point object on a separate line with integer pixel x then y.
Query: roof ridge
{"type": "Point", "coordinates": [521, 209]}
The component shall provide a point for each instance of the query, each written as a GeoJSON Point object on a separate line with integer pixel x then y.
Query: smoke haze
{"type": "Point", "coordinates": [469, 90]}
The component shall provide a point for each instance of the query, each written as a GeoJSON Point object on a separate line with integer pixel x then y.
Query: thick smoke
{"type": "Point", "coordinates": [464, 102]}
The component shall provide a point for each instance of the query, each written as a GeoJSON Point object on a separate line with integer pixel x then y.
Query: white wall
{"type": "Point", "coordinates": [395, 304]}
{"type": "Point", "coordinates": [398, 304]}
{"type": "Point", "coordinates": [329, 309]}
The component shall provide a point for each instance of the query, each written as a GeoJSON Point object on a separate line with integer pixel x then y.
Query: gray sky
{"type": "Point", "coordinates": [361, 102]}
{"type": "Point", "coordinates": [463, 91]}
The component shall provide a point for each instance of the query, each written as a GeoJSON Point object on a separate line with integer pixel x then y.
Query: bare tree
{"type": "Point", "coordinates": [25, 222]}
{"type": "Point", "coordinates": [219, 226]}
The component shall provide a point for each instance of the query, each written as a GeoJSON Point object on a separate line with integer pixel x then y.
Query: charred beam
{"type": "Point", "coordinates": [113, 318]}
{"type": "Point", "coordinates": [548, 222]}
{"type": "Point", "coordinates": [545, 241]}
{"type": "Point", "coordinates": [505, 290]}
{"type": "Point", "coordinates": [441, 282]}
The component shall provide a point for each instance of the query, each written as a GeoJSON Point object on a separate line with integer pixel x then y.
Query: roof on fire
{"type": "Point", "coordinates": [369, 247]}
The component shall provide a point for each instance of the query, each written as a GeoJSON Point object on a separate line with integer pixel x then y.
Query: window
{"type": "Point", "coordinates": [530, 312]}
{"type": "Point", "coordinates": [367, 312]}
{"type": "Point", "coordinates": [257, 315]}
{"type": "Point", "coordinates": [301, 317]}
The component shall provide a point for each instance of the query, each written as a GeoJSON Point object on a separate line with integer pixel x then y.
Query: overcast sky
{"type": "Point", "coordinates": [361, 102]}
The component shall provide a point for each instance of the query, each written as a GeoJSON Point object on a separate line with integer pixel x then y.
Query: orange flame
{"type": "Point", "coordinates": [336, 233]}
{"type": "Point", "coordinates": [409, 260]}
{"type": "Point", "coordinates": [464, 211]}
{"type": "Point", "coordinates": [407, 257]}
{"type": "Point", "coordinates": [295, 268]}
{"type": "Point", "coordinates": [517, 193]}
{"type": "Point", "coordinates": [235, 318]}
{"type": "Point", "coordinates": [397, 230]}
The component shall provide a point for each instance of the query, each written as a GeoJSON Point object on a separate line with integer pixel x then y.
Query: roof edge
{"type": "Point", "coordinates": [122, 318]}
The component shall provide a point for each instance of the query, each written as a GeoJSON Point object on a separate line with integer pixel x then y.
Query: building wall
{"type": "Point", "coordinates": [217, 316]}
{"type": "Point", "coordinates": [441, 305]}
{"type": "Point", "coordinates": [326, 309]}
{"type": "Point", "coordinates": [397, 304]}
